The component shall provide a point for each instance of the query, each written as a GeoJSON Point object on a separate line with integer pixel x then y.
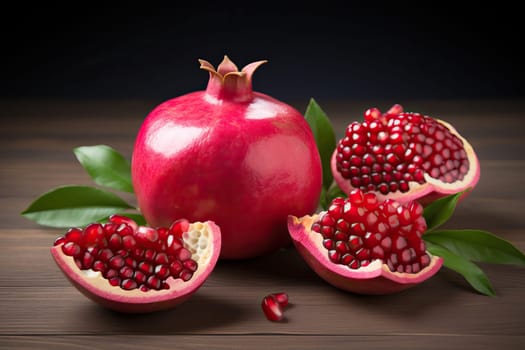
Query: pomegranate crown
{"type": "Point", "coordinates": [227, 82]}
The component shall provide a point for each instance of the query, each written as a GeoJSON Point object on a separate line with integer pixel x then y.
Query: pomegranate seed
{"type": "Point", "coordinates": [148, 236]}
{"type": "Point", "coordinates": [59, 241]}
{"type": "Point", "coordinates": [346, 259]}
{"type": "Point", "coordinates": [162, 271]}
{"type": "Point", "coordinates": [128, 284]}
{"type": "Point", "coordinates": [115, 241]}
{"type": "Point", "coordinates": [87, 260]}
{"type": "Point", "coordinates": [139, 277]}
{"type": "Point", "coordinates": [178, 227]}
{"type": "Point", "coordinates": [110, 273]}
{"type": "Point", "coordinates": [145, 267]}
{"type": "Point", "coordinates": [116, 262]}
{"type": "Point", "coordinates": [119, 219]}
{"type": "Point", "coordinates": [99, 266]}
{"type": "Point", "coordinates": [74, 235]}
{"type": "Point", "coordinates": [93, 235]}
{"type": "Point", "coordinates": [176, 268]}
{"type": "Point", "coordinates": [183, 254]}
{"type": "Point", "coordinates": [271, 308]}
{"type": "Point", "coordinates": [109, 228]}
{"type": "Point", "coordinates": [190, 265]}
{"type": "Point", "coordinates": [149, 254]}
{"type": "Point", "coordinates": [129, 242]}
{"type": "Point", "coordinates": [154, 282]}
{"type": "Point", "coordinates": [105, 254]}
{"type": "Point", "coordinates": [114, 281]}
{"type": "Point", "coordinates": [281, 298]}
{"type": "Point", "coordinates": [71, 249]}
{"type": "Point", "coordinates": [186, 275]}
{"type": "Point", "coordinates": [126, 272]}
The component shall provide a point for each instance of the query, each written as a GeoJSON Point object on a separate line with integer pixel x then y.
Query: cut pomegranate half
{"type": "Point", "coordinates": [366, 246]}
{"type": "Point", "coordinates": [404, 156]}
{"type": "Point", "coordinates": [132, 268]}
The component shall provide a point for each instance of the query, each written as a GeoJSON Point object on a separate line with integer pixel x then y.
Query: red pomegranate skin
{"type": "Point", "coordinates": [240, 158]}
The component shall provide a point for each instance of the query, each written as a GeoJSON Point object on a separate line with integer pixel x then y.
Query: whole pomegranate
{"type": "Point", "coordinates": [404, 156]}
{"type": "Point", "coordinates": [240, 158]}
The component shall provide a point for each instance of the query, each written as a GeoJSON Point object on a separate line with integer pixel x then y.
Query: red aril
{"type": "Point", "coordinates": [404, 156]}
{"type": "Point", "coordinates": [131, 268]}
{"type": "Point", "coordinates": [281, 298]}
{"type": "Point", "coordinates": [229, 154]}
{"type": "Point", "coordinates": [272, 306]}
{"type": "Point", "coordinates": [365, 245]}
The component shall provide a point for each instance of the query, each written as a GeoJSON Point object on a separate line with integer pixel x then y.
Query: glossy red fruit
{"type": "Point", "coordinates": [404, 156]}
{"type": "Point", "coordinates": [229, 154]}
{"type": "Point", "coordinates": [131, 268]}
{"type": "Point", "coordinates": [364, 245]}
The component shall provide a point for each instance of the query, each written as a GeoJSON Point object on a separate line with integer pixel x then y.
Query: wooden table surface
{"type": "Point", "coordinates": [39, 309]}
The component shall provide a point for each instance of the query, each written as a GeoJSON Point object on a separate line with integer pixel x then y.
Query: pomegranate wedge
{"type": "Point", "coordinates": [366, 246]}
{"type": "Point", "coordinates": [132, 268]}
{"type": "Point", "coordinates": [404, 156]}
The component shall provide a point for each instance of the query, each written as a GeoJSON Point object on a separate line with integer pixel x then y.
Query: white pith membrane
{"type": "Point", "coordinates": [431, 185]}
{"type": "Point", "coordinates": [311, 242]}
{"type": "Point", "coordinates": [203, 241]}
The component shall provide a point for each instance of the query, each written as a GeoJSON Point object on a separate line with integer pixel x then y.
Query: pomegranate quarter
{"type": "Point", "coordinates": [132, 268]}
{"type": "Point", "coordinates": [364, 245]}
{"type": "Point", "coordinates": [229, 154]}
{"type": "Point", "coordinates": [404, 156]}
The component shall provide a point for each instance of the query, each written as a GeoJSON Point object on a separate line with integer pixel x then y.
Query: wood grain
{"type": "Point", "coordinates": [40, 309]}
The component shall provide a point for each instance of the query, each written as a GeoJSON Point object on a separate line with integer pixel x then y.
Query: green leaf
{"type": "Point", "coordinates": [470, 271]}
{"type": "Point", "coordinates": [324, 137]}
{"type": "Point", "coordinates": [106, 166]}
{"type": "Point", "coordinates": [439, 211]}
{"type": "Point", "coordinates": [69, 206]}
{"type": "Point", "coordinates": [477, 245]}
{"type": "Point", "coordinates": [334, 192]}
{"type": "Point", "coordinates": [323, 200]}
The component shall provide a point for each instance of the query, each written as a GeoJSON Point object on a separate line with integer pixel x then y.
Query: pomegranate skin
{"type": "Point", "coordinates": [240, 158]}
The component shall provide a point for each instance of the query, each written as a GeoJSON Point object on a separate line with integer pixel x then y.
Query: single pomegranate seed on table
{"type": "Point", "coordinates": [272, 305]}
{"type": "Point", "coordinates": [271, 308]}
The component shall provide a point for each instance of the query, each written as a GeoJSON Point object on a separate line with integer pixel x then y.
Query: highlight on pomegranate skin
{"type": "Point", "coordinates": [365, 245]}
{"type": "Point", "coordinates": [133, 268]}
{"type": "Point", "coordinates": [404, 156]}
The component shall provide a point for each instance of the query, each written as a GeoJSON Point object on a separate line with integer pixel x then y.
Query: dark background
{"type": "Point", "coordinates": [325, 50]}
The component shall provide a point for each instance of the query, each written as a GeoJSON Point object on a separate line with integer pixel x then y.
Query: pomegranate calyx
{"type": "Point", "coordinates": [227, 82]}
